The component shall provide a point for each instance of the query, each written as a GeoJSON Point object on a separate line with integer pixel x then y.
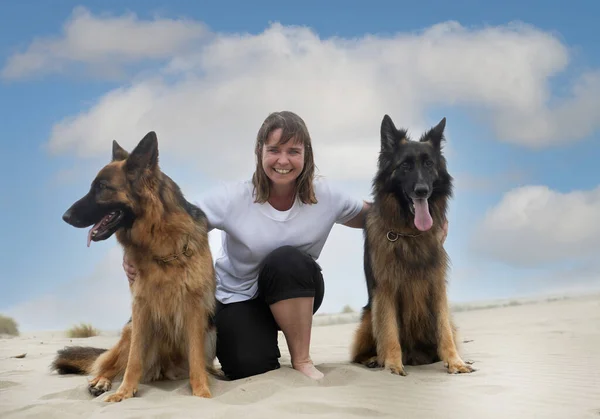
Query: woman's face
{"type": "Point", "coordinates": [282, 163]}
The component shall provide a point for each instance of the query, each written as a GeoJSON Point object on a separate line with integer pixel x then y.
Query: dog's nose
{"type": "Point", "coordinates": [67, 216]}
{"type": "Point", "coordinates": [421, 190]}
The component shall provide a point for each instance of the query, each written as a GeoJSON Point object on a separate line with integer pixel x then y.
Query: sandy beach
{"type": "Point", "coordinates": [533, 360]}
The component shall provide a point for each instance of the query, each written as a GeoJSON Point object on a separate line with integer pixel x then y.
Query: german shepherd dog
{"type": "Point", "coordinates": [170, 333]}
{"type": "Point", "coordinates": [406, 320]}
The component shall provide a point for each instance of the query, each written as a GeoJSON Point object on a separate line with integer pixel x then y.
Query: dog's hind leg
{"type": "Point", "coordinates": [210, 352]}
{"type": "Point", "coordinates": [363, 348]}
{"type": "Point", "coordinates": [110, 364]}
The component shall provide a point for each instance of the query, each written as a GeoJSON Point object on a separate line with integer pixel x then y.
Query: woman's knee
{"type": "Point", "coordinates": [288, 273]}
{"type": "Point", "coordinates": [283, 257]}
{"type": "Point", "coordinates": [244, 363]}
{"type": "Point", "coordinates": [289, 262]}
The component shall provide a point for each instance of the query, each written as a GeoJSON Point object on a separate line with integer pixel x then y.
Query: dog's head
{"type": "Point", "coordinates": [414, 171]}
{"type": "Point", "coordinates": [111, 202]}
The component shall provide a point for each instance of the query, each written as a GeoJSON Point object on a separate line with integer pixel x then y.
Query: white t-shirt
{"type": "Point", "coordinates": [250, 231]}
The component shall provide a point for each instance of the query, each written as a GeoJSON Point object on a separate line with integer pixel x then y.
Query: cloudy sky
{"type": "Point", "coordinates": [520, 87]}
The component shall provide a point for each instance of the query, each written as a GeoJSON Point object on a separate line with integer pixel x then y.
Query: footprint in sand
{"type": "Point", "coordinates": [338, 376]}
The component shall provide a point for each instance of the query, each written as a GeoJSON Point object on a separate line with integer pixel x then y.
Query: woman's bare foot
{"type": "Point", "coordinates": [308, 369]}
{"type": "Point", "coordinates": [294, 317]}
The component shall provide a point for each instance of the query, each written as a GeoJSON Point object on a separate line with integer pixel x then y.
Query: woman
{"type": "Point", "coordinates": [274, 228]}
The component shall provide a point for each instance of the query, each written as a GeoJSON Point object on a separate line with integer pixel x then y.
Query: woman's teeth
{"type": "Point", "coordinates": [283, 171]}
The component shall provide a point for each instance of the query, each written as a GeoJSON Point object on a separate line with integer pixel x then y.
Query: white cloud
{"type": "Point", "coordinates": [210, 98]}
{"type": "Point", "coordinates": [103, 44]}
{"type": "Point", "coordinates": [535, 226]}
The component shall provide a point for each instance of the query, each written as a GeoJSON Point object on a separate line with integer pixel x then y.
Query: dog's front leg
{"type": "Point", "coordinates": [133, 372]}
{"type": "Point", "coordinates": [385, 330]}
{"type": "Point", "coordinates": [446, 343]}
{"type": "Point", "coordinates": [196, 324]}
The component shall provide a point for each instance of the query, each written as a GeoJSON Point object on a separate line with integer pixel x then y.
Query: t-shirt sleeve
{"type": "Point", "coordinates": [346, 207]}
{"type": "Point", "coordinates": [215, 204]}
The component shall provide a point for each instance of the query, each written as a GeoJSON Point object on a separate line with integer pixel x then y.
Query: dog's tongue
{"type": "Point", "coordinates": [98, 224]}
{"type": "Point", "coordinates": [423, 220]}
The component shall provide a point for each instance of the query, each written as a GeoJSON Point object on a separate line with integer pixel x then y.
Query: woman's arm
{"type": "Point", "coordinates": [359, 220]}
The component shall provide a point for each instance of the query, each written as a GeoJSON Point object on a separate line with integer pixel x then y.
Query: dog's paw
{"type": "Point", "coordinates": [99, 385]}
{"type": "Point", "coordinates": [372, 363]}
{"type": "Point", "coordinates": [395, 368]}
{"type": "Point", "coordinates": [120, 395]}
{"type": "Point", "coordinates": [458, 366]}
{"type": "Point", "coordinates": [202, 391]}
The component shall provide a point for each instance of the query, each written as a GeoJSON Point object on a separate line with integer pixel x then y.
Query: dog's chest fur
{"type": "Point", "coordinates": [412, 268]}
{"type": "Point", "coordinates": [168, 290]}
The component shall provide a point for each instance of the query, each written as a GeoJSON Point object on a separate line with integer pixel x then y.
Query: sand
{"type": "Point", "coordinates": [535, 360]}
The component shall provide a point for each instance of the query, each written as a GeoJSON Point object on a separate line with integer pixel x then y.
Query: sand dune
{"type": "Point", "coordinates": [533, 361]}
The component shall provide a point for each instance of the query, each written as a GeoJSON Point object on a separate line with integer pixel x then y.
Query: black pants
{"type": "Point", "coordinates": [247, 331]}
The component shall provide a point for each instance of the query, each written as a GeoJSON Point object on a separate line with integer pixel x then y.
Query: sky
{"type": "Point", "coordinates": [518, 83]}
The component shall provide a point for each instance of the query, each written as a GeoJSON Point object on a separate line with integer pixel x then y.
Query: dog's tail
{"type": "Point", "coordinates": [76, 360]}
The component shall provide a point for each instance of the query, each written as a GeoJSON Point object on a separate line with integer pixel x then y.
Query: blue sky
{"type": "Point", "coordinates": [521, 144]}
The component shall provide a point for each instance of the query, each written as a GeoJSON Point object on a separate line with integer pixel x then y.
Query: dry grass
{"type": "Point", "coordinates": [82, 331]}
{"type": "Point", "coordinates": [8, 326]}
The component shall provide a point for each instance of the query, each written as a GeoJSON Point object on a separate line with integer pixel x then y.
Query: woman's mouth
{"type": "Point", "coordinates": [282, 171]}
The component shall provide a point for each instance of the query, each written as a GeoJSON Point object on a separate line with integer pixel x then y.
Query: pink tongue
{"type": "Point", "coordinates": [89, 237]}
{"type": "Point", "coordinates": [423, 220]}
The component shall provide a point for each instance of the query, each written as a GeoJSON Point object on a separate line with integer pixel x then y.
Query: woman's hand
{"type": "Point", "coordinates": [130, 270]}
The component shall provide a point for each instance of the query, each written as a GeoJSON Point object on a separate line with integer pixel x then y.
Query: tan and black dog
{"type": "Point", "coordinates": [170, 333]}
{"type": "Point", "coordinates": [407, 319]}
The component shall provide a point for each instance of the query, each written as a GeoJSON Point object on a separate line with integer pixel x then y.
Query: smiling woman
{"type": "Point", "coordinates": [274, 228]}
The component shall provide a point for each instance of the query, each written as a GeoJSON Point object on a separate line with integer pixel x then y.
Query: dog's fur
{"type": "Point", "coordinates": [406, 320]}
{"type": "Point", "coordinates": [170, 333]}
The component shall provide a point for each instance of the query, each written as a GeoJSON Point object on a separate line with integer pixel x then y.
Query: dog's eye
{"type": "Point", "coordinates": [101, 185]}
{"type": "Point", "coordinates": [428, 163]}
{"type": "Point", "coordinates": [405, 165]}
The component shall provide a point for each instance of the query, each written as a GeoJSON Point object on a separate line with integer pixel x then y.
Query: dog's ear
{"type": "Point", "coordinates": [436, 134]}
{"type": "Point", "coordinates": [118, 152]}
{"type": "Point", "coordinates": [388, 133]}
{"type": "Point", "coordinates": [144, 155]}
